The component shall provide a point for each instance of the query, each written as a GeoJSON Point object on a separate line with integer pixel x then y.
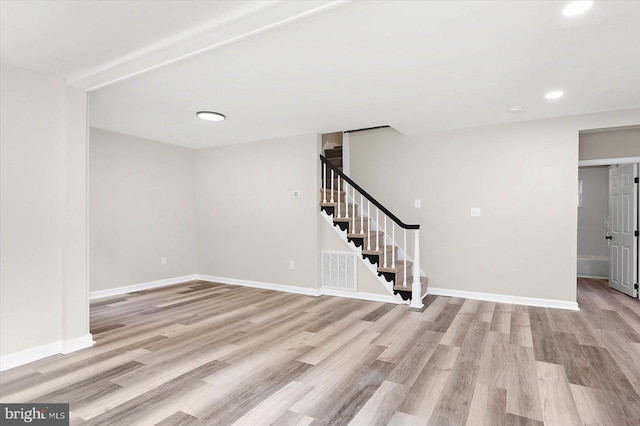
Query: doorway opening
{"type": "Point", "coordinates": [608, 205]}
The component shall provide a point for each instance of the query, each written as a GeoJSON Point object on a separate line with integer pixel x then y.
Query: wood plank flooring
{"type": "Point", "coordinates": [209, 354]}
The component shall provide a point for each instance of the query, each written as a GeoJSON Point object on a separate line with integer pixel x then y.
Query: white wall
{"type": "Point", "coordinates": [142, 209]}
{"type": "Point", "coordinates": [249, 225]}
{"type": "Point", "coordinates": [523, 176]}
{"type": "Point", "coordinates": [43, 185]}
{"type": "Point", "coordinates": [591, 216]}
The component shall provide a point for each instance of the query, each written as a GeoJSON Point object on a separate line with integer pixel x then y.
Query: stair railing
{"type": "Point", "coordinates": [344, 182]}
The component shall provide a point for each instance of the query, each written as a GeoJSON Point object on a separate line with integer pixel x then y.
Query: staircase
{"type": "Point", "coordinates": [377, 234]}
{"type": "Point", "coordinates": [334, 156]}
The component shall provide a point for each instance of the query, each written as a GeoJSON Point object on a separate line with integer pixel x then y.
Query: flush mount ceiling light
{"type": "Point", "coordinates": [576, 8]}
{"type": "Point", "coordinates": [210, 115]}
{"type": "Point", "coordinates": [556, 94]}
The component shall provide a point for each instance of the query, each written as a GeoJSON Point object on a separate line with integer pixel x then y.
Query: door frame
{"type": "Point", "coordinates": [608, 161]}
{"type": "Point", "coordinates": [611, 162]}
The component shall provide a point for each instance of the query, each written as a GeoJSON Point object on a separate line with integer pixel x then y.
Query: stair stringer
{"type": "Point", "coordinates": [388, 286]}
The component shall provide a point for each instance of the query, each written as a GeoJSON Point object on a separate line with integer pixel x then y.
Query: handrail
{"type": "Point", "coordinates": [367, 196]}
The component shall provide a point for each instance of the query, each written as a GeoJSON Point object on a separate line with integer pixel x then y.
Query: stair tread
{"type": "Point", "coordinates": [365, 236]}
{"type": "Point", "coordinates": [333, 152]}
{"type": "Point", "coordinates": [335, 192]}
{"type": "Point", "coordinates": [423, 280]}
{"type": "Point", "coordinates": [400, 266]}
{"type": "Point", "coordinates": [358, 223]}
{"type": "Point", "coordinates": [356, 235]}
{"type": "Point", "coordinates": [379, 233]}
{"type": "Point", "coordinates": [330, 204]}
{"type": "Point", "coordinates": [342, 219]}
{"type": "Point", "coordinates": [381, 251]}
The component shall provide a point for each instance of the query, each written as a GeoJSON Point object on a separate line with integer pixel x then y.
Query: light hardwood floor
{"type": "Point", "coordinates": [208, 354]}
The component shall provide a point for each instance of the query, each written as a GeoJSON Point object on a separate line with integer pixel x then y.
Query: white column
{"type": "Point", "coordinates": [393, 244]}
{"type": "Point", "coordinates": [324, 182]}
{"type": "Point", "coordinates": [338, 215]}
{"type": "Point", "coordinates": [353, 197]}
{"type": "Point", "coordinates": [404, 283]}
{"type": "Point", "coordinates": [416, 288]}
{"type": "Point", "coordinates": [384, 237]}
{"type": "Point", "coordinates": [377, 227]}
{"type": "Point", "coordinates": [346, 199]}
{"type": "Point", "coordinates": [362, 216]}
{"type": "Point", "coordinates": [332, 185]}
{"type": "Point", "coordinates": [369, 229]}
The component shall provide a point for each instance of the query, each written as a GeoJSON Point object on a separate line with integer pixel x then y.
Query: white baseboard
{"type": "Point", "coordinates": [258, 284]}
{"type": "Point", "coordinates": [26, 356]}
{"type": "Point", "coordinates": [29, 355]}
{"type": "Point", "coordinates": [303, 290]}
{"type": "Point", "coordinates": [245, 283]}
{"type": "Point", "coordinates": [594, 277]}
{"type": "Point", "coordinates": [385, 298]}
{"type": "Point", "coordinates": [76, 344]}
{"type": "Point", "coordinates": [501, 298]}
{"type": "Point", "coordinates": [142, 286]}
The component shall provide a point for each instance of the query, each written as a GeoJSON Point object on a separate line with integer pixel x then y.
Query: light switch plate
{"type": "Point", "coordinates": [417, 204]}
{"type": "Point", "coordinates": [296, 194]}
{"type": "Point", "coordinates": [475, 211]}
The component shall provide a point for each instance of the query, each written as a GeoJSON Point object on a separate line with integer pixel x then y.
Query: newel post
{"type": "Point", "coordinates": [416, 287]}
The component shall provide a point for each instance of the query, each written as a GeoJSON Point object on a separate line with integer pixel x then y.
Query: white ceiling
{"type": "Point", "coordinates": [67, 38]}
{"type": "Point", "coordinates": [283, 68]}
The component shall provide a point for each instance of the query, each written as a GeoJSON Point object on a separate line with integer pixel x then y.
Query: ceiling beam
{"type": "Point", "coordinates": [254, 19]}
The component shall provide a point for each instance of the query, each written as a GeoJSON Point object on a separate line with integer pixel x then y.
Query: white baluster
{"type": "Point", "coordinates": [338, 197]}
{"type": "Point", "coordinates": [377, 227]}
{"type": "Point", "coordinates": [353, 197]}
{"type": "Point", "coordinates": [369, 230]}
{"type": "Point", "coordinates": [346, 199]}
{"type": "Point", "coordinates": [385, 235]}
{"type": "Point", "coordinates": [393, 244]}
{"type": "Point", "coordinates": [416, 288]}
{"type": "Point", "coordinates": [362, 216]}
{"type": "Point", "coordinates": [404, 283]}
{"type": "Point", "coordinates": [332, 185]}
{"type": "Point", "coordinates": [324, 182]}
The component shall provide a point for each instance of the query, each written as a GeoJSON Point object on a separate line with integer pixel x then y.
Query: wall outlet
{"type": "Point", "coordinates": [296, 194]}
{"type": "Point", "coordinates": [163, 260]}
{"type": "Point", "coordinates": [475, 212]}
{"type": "Point", "coordinates": [292, 265]}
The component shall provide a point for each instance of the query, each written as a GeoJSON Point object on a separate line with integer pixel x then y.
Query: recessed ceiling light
{"type": "Point", "coordinates": [516, 109]}
{"type": "Point", "coordinates": [577, 7]}
{"type": "Point", "coordinates": [556, 94]}
{"type": "Point", "coordinates": [210, 115]}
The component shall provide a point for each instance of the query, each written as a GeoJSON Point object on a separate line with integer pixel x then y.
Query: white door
{"type": "Point", "coordinates": [623, 211]}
